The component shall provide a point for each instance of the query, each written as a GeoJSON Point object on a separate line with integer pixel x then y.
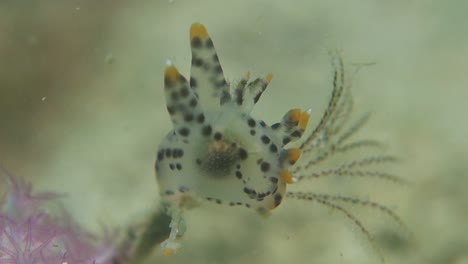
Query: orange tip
{"type": "Point", "coordinates": [198, 30]}
{"type": "Point", "coordinates": [295, 115]}
{"type": "Point", "coordinates": [268, 78]}
{"type": "Point", "coordinates": [293, 155]}
{"type": "Point", "coordinates": [167, 252]}
{"type": "Point", "coordinates": [171, 74]}
{"type": "Point", "coordinates": [286, 177]}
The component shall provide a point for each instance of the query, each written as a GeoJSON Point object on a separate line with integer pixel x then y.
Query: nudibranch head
{"type": "Point", "coordinates": [217, 151]}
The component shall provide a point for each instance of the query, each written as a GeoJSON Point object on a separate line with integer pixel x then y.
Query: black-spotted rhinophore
{"type": "Point", "coordinates": [217, 151]}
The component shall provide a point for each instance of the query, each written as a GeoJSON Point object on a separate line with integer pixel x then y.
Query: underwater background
{"type": "Point", "coordinates": [82, 112]}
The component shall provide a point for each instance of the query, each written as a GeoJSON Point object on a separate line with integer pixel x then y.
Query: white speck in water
{"type": "Point", "coordinates": [168, 62]}
{"type": "Point", "coordinates": [43, 98]}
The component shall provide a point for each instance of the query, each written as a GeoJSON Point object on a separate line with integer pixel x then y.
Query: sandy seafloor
{"type": "Point", "coordinates": [82, 112]}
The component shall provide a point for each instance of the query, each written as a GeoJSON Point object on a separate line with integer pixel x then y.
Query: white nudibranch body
{"type": "Point", "coordinates": [217, 151]}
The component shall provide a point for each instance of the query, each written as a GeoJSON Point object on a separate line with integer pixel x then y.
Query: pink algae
{"type": "Point", "coordinates": [31, 234]}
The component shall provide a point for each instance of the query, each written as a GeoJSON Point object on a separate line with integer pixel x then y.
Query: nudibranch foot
{"type": "Point", "coordinates": [170, 246]}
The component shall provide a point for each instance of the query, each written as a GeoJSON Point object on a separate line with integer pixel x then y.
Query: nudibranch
{"type": "Point", "coordinates": [217, 151]}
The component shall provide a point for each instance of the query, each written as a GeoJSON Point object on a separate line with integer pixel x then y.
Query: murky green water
{"type": "Point", "coordinates": [82, 112]}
